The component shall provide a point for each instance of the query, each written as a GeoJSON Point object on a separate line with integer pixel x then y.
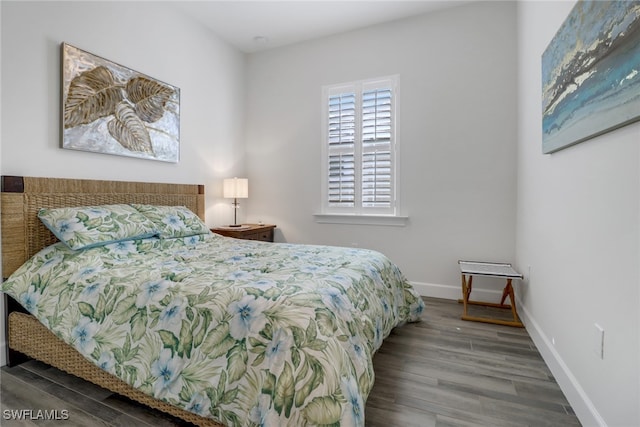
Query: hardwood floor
{"type": "Point", "coordinates": [445, 371]}
{"type": "Point", "coordinates": [440, 372]}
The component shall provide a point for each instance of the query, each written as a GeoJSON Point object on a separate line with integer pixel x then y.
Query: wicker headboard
{"type": "Point", "coordinates": [23, 234]}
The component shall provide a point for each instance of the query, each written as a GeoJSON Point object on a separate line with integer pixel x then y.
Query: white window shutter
{"type": "Point", "coordinates": [360, 147]}
{"type": "Point", "coordinates": [377, 162]}
{"type": "Point", "coordinates": [342, 137]}
{"type": "Point", "coordinates": [342, 183]}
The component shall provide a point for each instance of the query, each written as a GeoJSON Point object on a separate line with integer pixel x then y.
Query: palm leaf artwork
{"type": "Point", "coordinates": [129, 130]}
{"type": "Point", "coordinates": [149, 97]}
{"type": "Point", "coordinates": [111, 109]}
{"type": "Point", "coordinates": [92, 94]}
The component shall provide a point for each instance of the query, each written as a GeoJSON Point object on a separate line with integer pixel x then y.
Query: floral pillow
{"type": "Point", "coordinates": [91, 226]}
{"type": "Point", "coordinates": [173, 221]}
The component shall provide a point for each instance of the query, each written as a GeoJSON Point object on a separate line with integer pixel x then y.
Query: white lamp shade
{"type": "Point", "coordinates": [235, 188]}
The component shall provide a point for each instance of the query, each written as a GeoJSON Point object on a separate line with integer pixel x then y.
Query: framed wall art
{"type": "Point", "coordinates": [111, 109]}
{"type": "Point", "coordinates": [591, 73]}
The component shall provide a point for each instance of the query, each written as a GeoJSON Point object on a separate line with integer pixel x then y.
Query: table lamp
{"type": "Point", "coordinates": [235, 188]}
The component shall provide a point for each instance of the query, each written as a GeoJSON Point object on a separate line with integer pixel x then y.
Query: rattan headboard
{"type": "Point", "coordinates": [23, 234]}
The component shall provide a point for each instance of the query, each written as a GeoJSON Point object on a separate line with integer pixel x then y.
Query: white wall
{"type": "Point", "coordinates": [457, 133]}
{"type": "Point", "coordinates": [578, 229]}
{"type": "Point", "coordinates": [149, 37]}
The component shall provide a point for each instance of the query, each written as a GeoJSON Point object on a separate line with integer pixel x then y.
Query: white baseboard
{"type": "Point", "coordinates": [435, 290]}
{"type": "Point", "coordinates": [575, 394]}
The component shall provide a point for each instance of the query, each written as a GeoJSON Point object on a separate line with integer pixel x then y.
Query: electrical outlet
{"type": "Point", "coordinates": [598, 341]}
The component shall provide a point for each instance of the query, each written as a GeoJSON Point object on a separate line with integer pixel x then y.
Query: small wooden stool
{"type": "Point", "coordinates": [489, 269]}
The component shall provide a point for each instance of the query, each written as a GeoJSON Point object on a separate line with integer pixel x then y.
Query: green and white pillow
{"type": "Point", "coordinates": [173, 221]}
{"type": "Point", "coordinates": [90, 226]}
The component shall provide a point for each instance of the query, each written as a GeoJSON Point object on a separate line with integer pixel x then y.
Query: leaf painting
{"type": "Point", "coordinates": [149, 98]}
{"type": "Point", "coordinates": [108, 108]}
{"type": "Point", "coordinates": [127, 128]}
{"type": "Point", "coordinates": [92, 95]}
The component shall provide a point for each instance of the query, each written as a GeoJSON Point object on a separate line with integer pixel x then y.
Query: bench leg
{"type": "Point", "coordinates": [506, 292]}
{"type": "Point", "coordinates": [467, 284]}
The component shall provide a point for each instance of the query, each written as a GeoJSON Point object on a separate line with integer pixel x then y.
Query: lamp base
{"type": "Point", "coordinates": [234, 225]}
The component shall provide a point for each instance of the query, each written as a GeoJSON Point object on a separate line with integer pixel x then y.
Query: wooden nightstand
{"type": "Point", "coordinates": [263, 232]}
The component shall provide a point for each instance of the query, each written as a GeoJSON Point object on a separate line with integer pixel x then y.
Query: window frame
{"type": "Point", "coordinates": [341, 213]}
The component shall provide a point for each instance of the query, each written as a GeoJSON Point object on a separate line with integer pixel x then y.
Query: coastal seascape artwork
{"type": "Point", "coordinates": [591, 73]}
{"type": "Point", "coordinates": [111, 109]}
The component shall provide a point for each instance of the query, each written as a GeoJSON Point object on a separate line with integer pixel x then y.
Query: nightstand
{"type": "Point", "coordinates": [263, 232]}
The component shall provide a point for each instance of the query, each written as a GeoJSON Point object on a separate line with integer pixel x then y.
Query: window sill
{"type": "Point", "coordinates": [353, 219]}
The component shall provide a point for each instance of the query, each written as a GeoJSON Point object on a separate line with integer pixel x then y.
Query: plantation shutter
{"type": "Point", "coordinates": [342, 128]}
{"type": "Point", "coordinates": [376, 148]}
{"type": "Point", "coordinates": [360, 147]}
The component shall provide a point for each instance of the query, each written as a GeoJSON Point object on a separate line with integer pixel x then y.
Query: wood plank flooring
{"type": "Point", "coordinates": [439, 372]}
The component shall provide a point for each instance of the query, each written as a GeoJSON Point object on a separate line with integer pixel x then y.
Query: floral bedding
{"type": "Point", "coordinates": [247, 333]}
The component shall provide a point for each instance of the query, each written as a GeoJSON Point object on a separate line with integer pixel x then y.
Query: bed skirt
{"type": "Point", "coordinates": [30, 337]}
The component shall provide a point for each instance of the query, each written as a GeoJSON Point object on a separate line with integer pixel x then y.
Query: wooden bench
{"type": "Point", "coordinates": [489, 269]}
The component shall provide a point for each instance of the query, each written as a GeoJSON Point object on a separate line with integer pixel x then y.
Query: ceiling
{"type": "Point", "coordinates": [252, 26]}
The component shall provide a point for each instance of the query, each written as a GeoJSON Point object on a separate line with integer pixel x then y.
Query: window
{"type": "Point", "coordinates": [360, 147]}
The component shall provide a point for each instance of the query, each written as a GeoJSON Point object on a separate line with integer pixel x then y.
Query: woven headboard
{"type": "Point", "coordinates": [23, 234]}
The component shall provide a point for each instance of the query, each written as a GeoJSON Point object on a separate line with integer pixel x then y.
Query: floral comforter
{"type": "Point", "coordinates": [247, 333]}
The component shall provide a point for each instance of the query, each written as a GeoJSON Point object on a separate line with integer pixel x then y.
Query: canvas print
{"type": "Point", "coordinates": [108, 108]}
{"type": "Point", "coordinates": [591, 73]}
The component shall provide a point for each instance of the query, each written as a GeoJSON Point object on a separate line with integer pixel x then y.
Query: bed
{"type": "Point", "coordinates": [211, 329]}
